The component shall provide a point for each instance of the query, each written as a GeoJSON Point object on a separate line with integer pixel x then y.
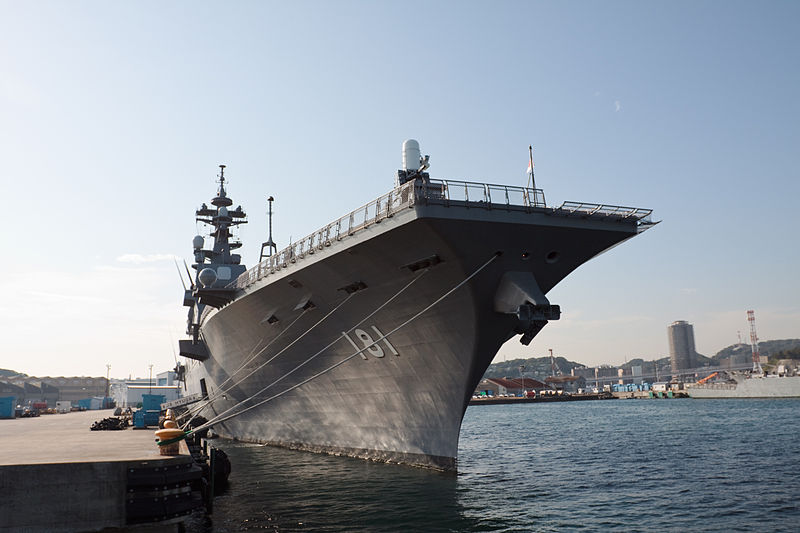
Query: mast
{"type": "Point", "coordinates": [216, 269]}
{"type": "Point", "coordinates": [222, 220]}
{"type": "Point", "coordinates": [270, 244]}
{"type": "Point", "coordinates": [751, 317]}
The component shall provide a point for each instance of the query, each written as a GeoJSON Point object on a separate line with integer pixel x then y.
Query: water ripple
{"type": "Point", "coordinates": [671, 465]}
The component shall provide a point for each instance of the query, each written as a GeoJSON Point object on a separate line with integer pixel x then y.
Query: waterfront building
{"type": "Point", "coordinates": [128, 392]}
{"type": "Point", "coordinates": [636, 372]}
{"type": "Point", "coordinates": [12, 390]}
{"type": "Point", "coordinates": [566, 383]}
{"type": "Point", "coordinates": [513, 386]}
{"type": "Point", "coordinates": [682, 354]}
{"type": "Point", "coordinates": [75, 388]}
{"type": "Point", "coordinates": [52, 389]}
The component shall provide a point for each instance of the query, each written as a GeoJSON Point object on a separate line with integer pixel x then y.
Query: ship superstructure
{"type": "Point", "coordinates": [368, 337]}
{"type": "Point", "coordinates": [216, 267]}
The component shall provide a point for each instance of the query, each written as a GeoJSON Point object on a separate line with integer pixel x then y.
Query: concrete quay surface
{"type": "Point", "coordinates": [66, 438]}
{"type": "Point", "coordinates": [58, 476]}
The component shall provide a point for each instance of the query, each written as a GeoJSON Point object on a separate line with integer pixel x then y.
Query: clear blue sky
{"type": "Point", "coordinates": [115, 115]}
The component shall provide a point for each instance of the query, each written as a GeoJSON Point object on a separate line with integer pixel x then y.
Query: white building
{"type": "Point", "coordinates": [128, 393]}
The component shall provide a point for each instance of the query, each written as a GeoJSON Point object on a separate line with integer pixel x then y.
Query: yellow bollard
{"type": "Point", "coordinates": [170, 431]}
{"type": "Point", "coordinates": [168, 434]}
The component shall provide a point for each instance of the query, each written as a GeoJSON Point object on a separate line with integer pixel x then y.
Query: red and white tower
{"type": "Point", "coordinates": [751, 317]}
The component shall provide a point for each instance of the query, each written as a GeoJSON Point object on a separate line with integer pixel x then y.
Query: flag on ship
{"type": "Point", "coordinates": [531, 179]}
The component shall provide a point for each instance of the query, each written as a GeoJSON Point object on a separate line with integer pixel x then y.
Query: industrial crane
{"type": "Point", "coordinates": [707, 378]}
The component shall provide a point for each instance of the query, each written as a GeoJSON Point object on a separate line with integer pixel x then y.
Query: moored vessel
{"type": "Point", "coordinates": [368, 337]}
{"type": "Point", "coordinates": [748, 385]}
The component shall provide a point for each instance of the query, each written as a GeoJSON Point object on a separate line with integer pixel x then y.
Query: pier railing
{"type": "Point", "coordinates": [429, 192]}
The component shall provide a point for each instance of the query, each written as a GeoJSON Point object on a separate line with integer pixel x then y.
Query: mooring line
{"type": "Point", "coordinates": [195, 410]}
{"type": "Point", "coordinates": [384, 304]}
{"type": "Point", "coordinates": [219, 393]}
{"type": "Point", "coordinates": [222, 416]}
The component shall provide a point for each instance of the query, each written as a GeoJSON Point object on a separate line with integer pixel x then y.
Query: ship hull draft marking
{"type": "Point", "coordinates": [419, 351]}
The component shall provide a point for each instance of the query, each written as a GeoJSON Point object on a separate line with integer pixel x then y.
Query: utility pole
{"type": "Point", "coordinates": [150, 381]}
{"type": "Point", "coordinates": [108, 374]}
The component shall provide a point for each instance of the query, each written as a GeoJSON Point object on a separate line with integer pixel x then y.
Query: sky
{"type": "Point", "coordinates": [115, 115]}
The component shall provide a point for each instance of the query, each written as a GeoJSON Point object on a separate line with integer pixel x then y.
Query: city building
{"type": "Point", "coordinates": [682, 354]}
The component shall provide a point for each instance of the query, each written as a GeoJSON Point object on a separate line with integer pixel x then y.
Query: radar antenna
{"type": "Point", "coordinates": [270, 244]}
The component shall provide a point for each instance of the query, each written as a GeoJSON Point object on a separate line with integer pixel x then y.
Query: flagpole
{"type": "Point", "coordinates": [532, 178]}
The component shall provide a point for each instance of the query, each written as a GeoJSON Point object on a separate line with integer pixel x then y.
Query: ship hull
{"type": "Point", "coordinates": [402, 399]}
{"type": "Point", "coordinates": [757, 387]}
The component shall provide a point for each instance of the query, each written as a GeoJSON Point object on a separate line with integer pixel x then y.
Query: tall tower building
{"type": "Point", "coordinates": [682, 354]}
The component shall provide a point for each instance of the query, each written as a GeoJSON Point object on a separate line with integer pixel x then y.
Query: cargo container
{"type": "Point", "coordinates": [63, 406]}
{"type": "Point", "coordinates": [7, 407]}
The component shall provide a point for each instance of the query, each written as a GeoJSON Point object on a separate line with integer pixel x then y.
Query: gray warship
{"type": "Point", "coordinates": [368, 337]}
{"type": "Point", "coordinates": [748, 385]}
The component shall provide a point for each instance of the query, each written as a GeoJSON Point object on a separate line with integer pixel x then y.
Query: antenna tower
{"type": "Point", "coordinates": [270, 244]}
{"type": "Point", "coordinates": [751, 317]}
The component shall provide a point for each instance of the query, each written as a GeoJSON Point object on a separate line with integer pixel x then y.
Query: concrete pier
{"type": "Point", "coordinates": [58, 476]}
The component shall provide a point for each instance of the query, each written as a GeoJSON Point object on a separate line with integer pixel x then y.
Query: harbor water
{"type": "Point", "coordinates": [632, 465]}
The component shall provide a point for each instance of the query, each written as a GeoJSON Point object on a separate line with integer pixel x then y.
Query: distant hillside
{"type": "Point", "coordinates": [768, 348]}
{"type": "Point", "coordinates": [791, 353]}
{"type": "Point", "coordinates": [535, 367]}
{"type": "Point", "coordinates": [648, 366]}
{"type": "Point", "coordinates": [4, 373]}
{"type": "Point", "coordinates": [539, 367]}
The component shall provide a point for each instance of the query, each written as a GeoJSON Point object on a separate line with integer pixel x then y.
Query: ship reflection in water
{"type": "Point", "coordinates": [278, 489]}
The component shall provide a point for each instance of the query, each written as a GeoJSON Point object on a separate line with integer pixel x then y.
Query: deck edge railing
{"type": "Point", "coordinates": [431, 192]}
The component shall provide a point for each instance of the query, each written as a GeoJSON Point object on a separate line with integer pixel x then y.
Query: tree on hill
{"type": "Point", "coordinates": [768, 348]}
{"type": "Point", "coordinates": [791, 353]}
{"type": "Point", "coordinates": [538, 367]}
